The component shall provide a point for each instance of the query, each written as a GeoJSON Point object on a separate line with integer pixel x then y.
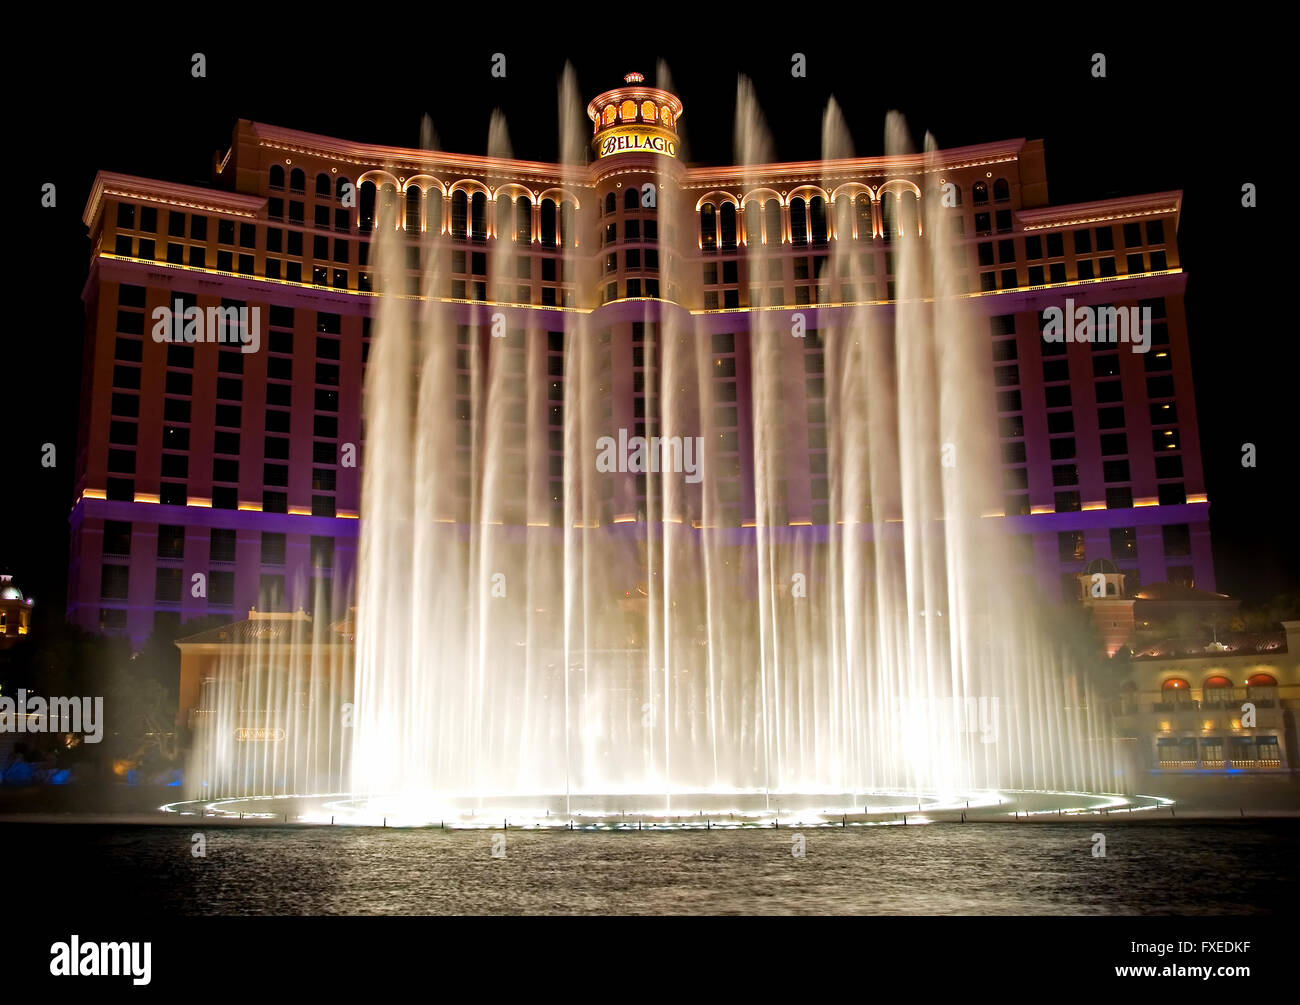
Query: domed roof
{"type": "Point", "coordinates": [9, 591]}
{"type": "Point", "coordinates": [1103, 565]}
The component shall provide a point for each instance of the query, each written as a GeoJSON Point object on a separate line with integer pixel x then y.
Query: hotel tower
{"type": "Point", "coordinates": [211, 479]}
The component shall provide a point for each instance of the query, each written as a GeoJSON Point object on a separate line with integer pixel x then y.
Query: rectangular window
{"type": "Point", "coordinates": [117, 537]}
{"type": "Point", "coordinates": [322, 552]}
{"type": "Point", "coordinates": [167, 585]}
{"type": "Point", "coordinates": [1062, 448]}
{"type": "Point", "coordinates": [1115, 471]}
{"type": "Point", "coordinates": [1057, 396]}
{"type": "Point", "coordinates": [1060, 422]}
{"type": "Point", "coordinates": [1114, 443]}
{"type": "Point", "coordinates": [1067, 502]}
{"type": "Point", "coordinates": [1070, 546]}
{"type": "Point", "coordinates": [221, 587]}
{"type": "Point", "coordinates": [1065, 474]}
{"type": "Point", "coordinates": [273, 548]}
{"type": "Point", "coordinates": [1169, 466]}
{"type": "Point", "coordinates": [221, 545]}
{"type": "Point", "coordinates": [1123, 542]}
{"type": "Point", "coordinates": [1177, 540]}
{"type": "Point", "coordinates": [1171, 494]}
{"type": "Point", "coordinates": [1119, 498]}
{"type": "Point", "coordinates": [113, 581]}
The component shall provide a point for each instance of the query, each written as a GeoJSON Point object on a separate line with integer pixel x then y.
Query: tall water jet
{"type": "Point", "coordinates": [556, 610]}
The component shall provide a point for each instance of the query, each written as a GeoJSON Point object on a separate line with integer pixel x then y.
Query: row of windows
{"type": "Point", "coordinates": [631, 111]}
{"type": "Point", "coordinates": [298, 182]}
{"type": "Point", "coordinates": [1175, 538]}
{"type": "Point", "coordinates": [635, 288]}
{"type": "Point", "coordinates": [631, 200]}
{"type": "Point", "coordinates": [222, 497]}
{"type": "Point", "coordinates": [118, 534]}
{"type": "Point", "coordinates": [271, 596]}
{"type": "Point", "coordinates": [171, 585]}
{"type": "Point", "coordinates": [1052, 245]}
{"type": "Point", "coordinates": [322, 275]}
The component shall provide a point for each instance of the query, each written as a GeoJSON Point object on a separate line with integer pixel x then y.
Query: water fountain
{"type": "Point", "coordinates": [671, 665]}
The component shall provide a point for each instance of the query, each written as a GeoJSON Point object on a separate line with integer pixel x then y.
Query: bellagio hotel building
{"type": "Point", "coordinates": [200, 458]}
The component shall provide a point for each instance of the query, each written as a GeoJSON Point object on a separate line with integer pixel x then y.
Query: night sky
{"type": "Point", "coordinates": [1173, 113]}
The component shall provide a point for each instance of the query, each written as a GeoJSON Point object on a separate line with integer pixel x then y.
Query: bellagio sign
{"type": "Point", "coordinates": [636, 139]}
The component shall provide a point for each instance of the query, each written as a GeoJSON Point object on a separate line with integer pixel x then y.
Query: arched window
{"type": "Point", "coordinates": [628, 111]}
{"type": "Point", "coordinates": [910, 214]}
{"type": "Point", "coordinates": [979, 193]}
{"type": "Point", "coordinates": [754, 224]}
{"type": "Point", "coordinates": [505, 205]}
{"type": "Point", "coordinates": [340, 187]}
{"type": "Point", "coordinates": [323, 186]}
{"type": "Point", "coordinates": [889, 215]}
{"type": "Point", "coordinates": [460, 214]}
{"type": "Point", "coordinates": [366, 205]}
{"type": "Point", "coordinates": [1175, 691]}
{"type": "Point", "coordinates": [798, 221]}
{"type": "Point", "coordinates": [843, 209]}
{"type": "Point", "coordinates": [277, 176]}
{"type": "Point", "coordinates": [1261, 680]}
{"type": "Point", "coordinates": [956, 193]}
{"type": "Point", "coordinates": [666, 116]}
{"type": "Point", "coordinates": [772, 222]}
{"type": "Point", "coordinates": [817, 219]}
{"type": "Point", "coordinates": [433, 210]}
{"type": "Point", "coordinates": [388, 206]}
{"type": "Point", "coordinates": [631, 199]}
{"type": "Point", "coordinates": [708, 227]}
{"type": "Point", "coordinates": [413, 200]}
{"type": "Point", "coordinates": [610, 112]}
{"type": "Point", "coordinates": [727, 220]}
{"type": "Point", "coordinates": [550, 223]}
{"type": "Point", "coordinates": [478, 216]}
{"type": "Point", "coordinates": [568, 230]}
{"type": "Point", "coordinates": [611, 203]}
{"type": "Point", "coordinates": [1001, 190]}
{"type": "Point", "coordinates": [297, 180]}
{"type": "Point", "coordinates": [1216, 689]}
{"type": "Point", "coordinates": [648, 111]}
{"type": "Point", "coordinates": [862, 213]}
{"type": "Point", "coordinates": [523, 222]}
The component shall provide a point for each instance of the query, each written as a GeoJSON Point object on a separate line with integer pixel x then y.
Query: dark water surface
{"type": "Point", "coordinates": [1188, 868]}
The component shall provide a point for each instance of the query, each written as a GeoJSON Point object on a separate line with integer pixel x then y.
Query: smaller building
{"type": "Point", "coordinates": [1227, 707]}
{"type": "Point", "coordinates": [264, 704]}
{"type": "Point", "coordinates": [1130, 623]}
{"type": "Point", "coordinates": [237, 658]}
{"type": "Point", "coordinates": [15, 612]}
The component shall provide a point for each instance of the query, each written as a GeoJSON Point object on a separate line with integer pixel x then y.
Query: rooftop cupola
{"type": "Point", "coordinates": [635, 118]}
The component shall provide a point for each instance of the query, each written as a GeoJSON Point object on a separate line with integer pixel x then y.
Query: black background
{"type": "Point", "coordinates": [1181, 107]}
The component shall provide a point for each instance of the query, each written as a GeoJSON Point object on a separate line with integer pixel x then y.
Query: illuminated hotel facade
{"type": "Point", "coordinates": [211, 480]}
